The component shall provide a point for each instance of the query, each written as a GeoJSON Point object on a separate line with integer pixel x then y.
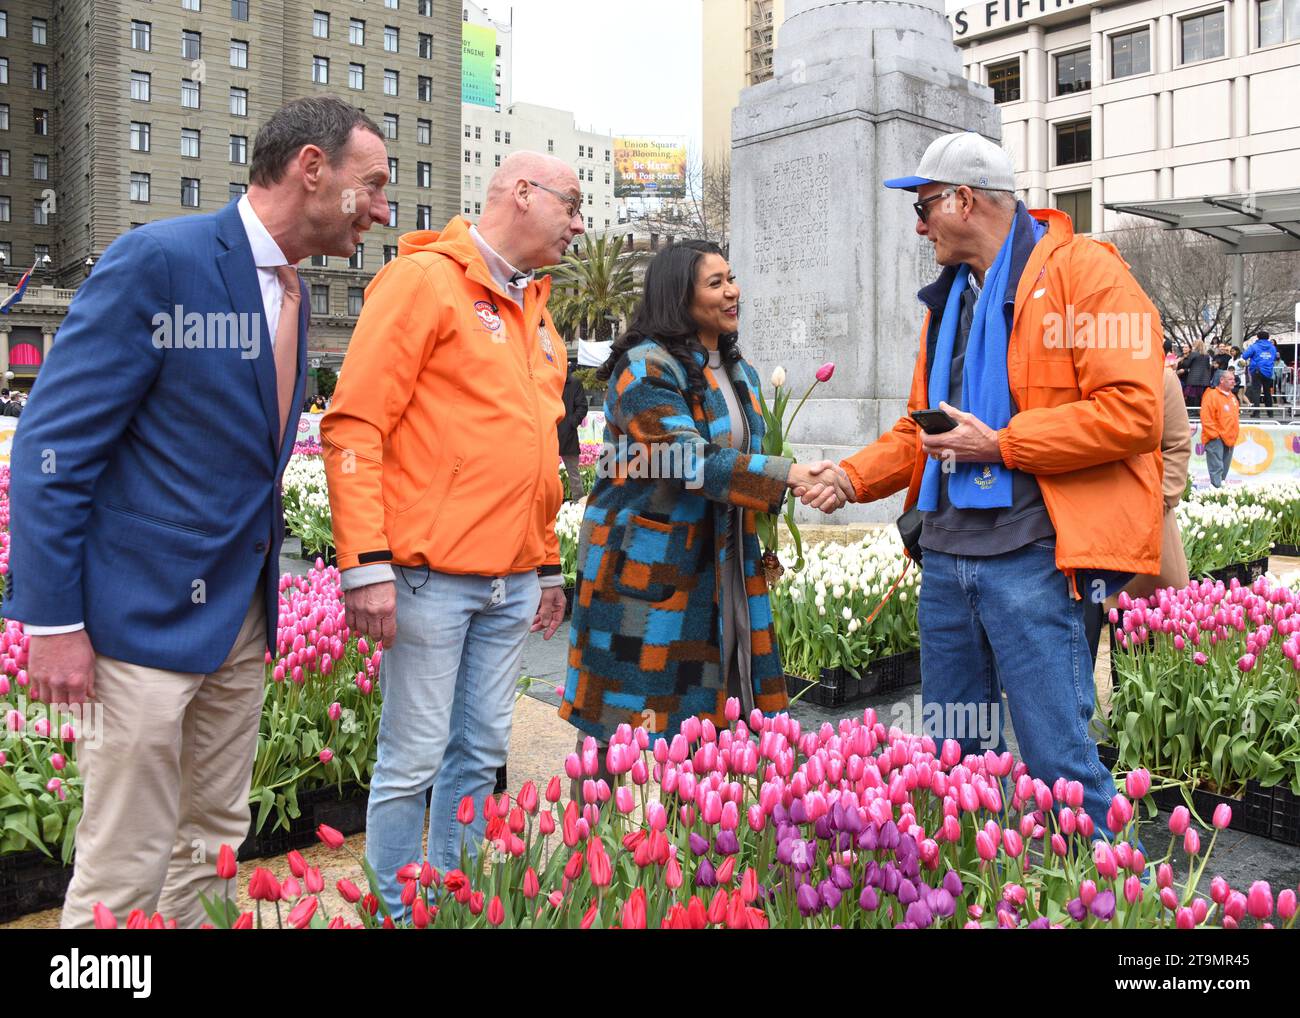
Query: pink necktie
{"type": "Point", "coordinates": [286, 342]}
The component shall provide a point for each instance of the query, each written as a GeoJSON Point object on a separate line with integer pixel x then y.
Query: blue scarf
{"type": "Point", "coordinates": [986, 391]}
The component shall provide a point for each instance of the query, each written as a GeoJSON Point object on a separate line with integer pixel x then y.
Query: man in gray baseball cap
{"type": "Point", "coordinates": [1032, 467]}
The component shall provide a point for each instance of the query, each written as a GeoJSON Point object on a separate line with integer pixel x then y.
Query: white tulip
{"type": "Point", "coordinates": [778, 376]}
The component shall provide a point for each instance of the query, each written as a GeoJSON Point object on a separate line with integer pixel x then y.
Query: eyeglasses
{"type": "Point", "coordinates": [572, 205]}
{"type": "Point", "coordinates": [922, 211]}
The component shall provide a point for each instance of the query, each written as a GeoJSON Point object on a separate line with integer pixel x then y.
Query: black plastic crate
{"type": "Point", "coordinates": [1292, 550]}
{"type": "Point", "coordinates": [322, 805]}
{"type": "Point", "coordinates": [31, 882]}
{"type": "Point", "coordinates": [834, 688]}
{"type": "Point", "coordinates": [912, 667]}
{"type": "Point", "coordinates": [1245, 573]}
{"type": "Point", "coordinates": [1285, 812]}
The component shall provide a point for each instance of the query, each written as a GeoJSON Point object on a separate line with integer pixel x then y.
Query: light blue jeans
{"type": "Point", "coordinates": [448, 684]}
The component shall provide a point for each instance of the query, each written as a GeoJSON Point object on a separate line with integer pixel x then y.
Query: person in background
{"type": "Point", "coordinates": [1261, 357]}
{"type": "Point", "coordinates": [1220, 425]}
{"type": "Point", "coordinates": [1197, 369]}
{"type": "Point", "coordinates": [1221, 359]}
{"type": "Point", "coordinates": [575, 409]}
{"type": "Point", "coordinates": [13, 403]}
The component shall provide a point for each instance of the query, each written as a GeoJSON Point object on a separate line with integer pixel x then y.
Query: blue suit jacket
{"type": "Point", "coordinates": [145, 486]}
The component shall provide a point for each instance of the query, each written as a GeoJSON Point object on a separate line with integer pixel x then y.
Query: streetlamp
{"type": "Point", "coordinates": [88, 264]}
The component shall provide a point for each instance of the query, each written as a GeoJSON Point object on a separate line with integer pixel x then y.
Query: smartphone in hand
{"type": "Point", "coordinates": [933, 422]}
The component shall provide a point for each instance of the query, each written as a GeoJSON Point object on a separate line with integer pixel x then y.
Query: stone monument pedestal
{"type": "Point", "coordinates": [827, 258]}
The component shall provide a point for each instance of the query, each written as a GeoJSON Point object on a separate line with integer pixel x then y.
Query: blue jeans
{"type": "Point", "coordinates": [1218, 458]}
{"type": "Point", "coordinates": [448, 683]}
{"type": "Point", "coordinates": [1009, 623]}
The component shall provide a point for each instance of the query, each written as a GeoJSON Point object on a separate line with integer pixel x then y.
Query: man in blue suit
{"type": "Point", "coordinates": [146, 505]}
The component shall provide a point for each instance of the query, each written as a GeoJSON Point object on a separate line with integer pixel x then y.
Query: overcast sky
{"type": "Point", "coordinates": [630, 67]}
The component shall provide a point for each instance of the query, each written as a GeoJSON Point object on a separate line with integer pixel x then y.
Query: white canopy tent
{"type": "Point", "coordinates": [592, 354]}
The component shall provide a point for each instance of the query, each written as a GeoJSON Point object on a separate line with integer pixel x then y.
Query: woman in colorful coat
{"type": "Point", "coordinates": [671, 614]}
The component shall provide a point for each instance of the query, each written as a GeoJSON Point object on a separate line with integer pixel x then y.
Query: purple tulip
{"type": "Point", "coordinates": [952, 884]}
{"type": "Point", "coordinates": [699, 843]}
{"type": "Point", "coordinates": [704, 876]}
{"type": "Point", "coordinates": [1103, 906]}
{"type": "Point", "coordinates": [830, 894]}
{"type": "Point", "coordinates": [941, 903]}
{"type": "Point", "coordinates": [892, 878]}
{"type": "Point", "coordinates": [808, 899]}
{"type": "Point", "coordinates": [889, 836]}
{"type": "Point", "coordinates": [919, 913]}
{"type": "Point", "coordinates": [1077, 909]}
{"type": "Point", "coordinates": [906, 892]}
{"type": "Point", "coordinates": [798, 813]}
{"type": "Point", "coordinates": [841, 877]}
{"type": "Point", "coordinates": [868, 839]}
{"type": "Point", "coordinates": [822, 828]}
{"type": "Point", "coordinates": [1041, 923]}
{"type": "Point", "coordinates": [727, 843]}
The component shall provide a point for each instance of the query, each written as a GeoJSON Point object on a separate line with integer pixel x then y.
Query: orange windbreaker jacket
{"type": "Point", "coordinates": [1084, 359]}
{"type": "Point", "coordinates": [440, 443]}
{"type": "Point", "coordinates": [1220, 417]}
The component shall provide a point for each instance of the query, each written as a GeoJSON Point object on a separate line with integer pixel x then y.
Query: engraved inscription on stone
{"type": "Point", "coordinates": [790, 329]}
{"type": "Point", "coordinates": [792, 205]}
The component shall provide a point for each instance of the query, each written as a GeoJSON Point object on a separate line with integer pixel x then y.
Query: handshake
{"type": "Point", "coordinates": [822, 484]}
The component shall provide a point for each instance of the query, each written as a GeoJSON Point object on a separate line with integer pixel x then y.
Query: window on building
{"type": "Point", "coordinates": [237, 189]}
{"type": "Point", "coordinates": [478, 134]}
{"type": "Point", "coordinates": [606, 155]}
{"type": "Point", "coordinates": [423, 217]}
{"type": "Point", "coordinates": [4, 116]}
{"type": "Point", "coordinates": [40, 77]}
{"type": "Point", "coordinates": [320, 261]}
{"type": "Point", "coordinates": [38, 31]}
{"type": "Point", "coordinates": [320, 70]}
{"type": "Point", "coordinates": [391, 4]}
{"type": "Point", "coordinates": [390, 82]}
{"type": "Point", "coordinates": [41, 253]}
{"type": "Point", "coordinates": [239, 148]}
{"type": "Point", "coordinates": [6, 252]}
{"type": "Point", "coordinates": [357, 76]}
{"type": "Point", "coordinates": [40, 212]}
{"type": "Point", "coordinates": [357, 32]}
{"type": "Point", "coordinates": [478, 208]}
{"type": "Point", "coordinates": [469, 131]}
{"type": "Point", "coordinates": [1074, 72]}
{"type": "Point", "coordinates": [467, 178]}
{"type": "Point", "coordinates": [189, 94]}
{"type": "Point", "coordinates": [426, 46]}
{"type": "Point", "coordinates": [465, 208]}
{"type": "Point", "coordinates": [239, 10]}
{"type": "Point", "coordinates": [496, 159]}
{"type": "Point", "coordinates": [4, 70]}
{"type": "Point", "coordinates": [140, 86]}
{"type": "Point", "coordinates": [1202, 36]}
{"type": "Point", "coordinates": [239, 102]}
{"type": "Point", "coordinates": [320, 24]}
{"type": "Point", "coordinates": [239, 54]}
{"type": "Point", "coordinates": [190, 192]}
{"type": "Point", "coordinates": [320, 297]}
{"type": "Point", "coordinates": [358, 259]}
{"type": "Point", "coordinates": [1073, 142]}
{"type": "Point", "coordinates": [191, 45]}
{"type": "Point", "coordinates": [141, 35]}
{"type": "Point", "coordinates": [507, 137]}
{"type": "Point", "coordinates": [606, 179]}
{"type": "Point", "coordinates": [426, 8]}
{"type": "Point", "coordinates": [392, 213]}
{"type": "Point", "coordinates": [190, 5]}
{"type": "Point", "coordinates": [424, 174]}
{"type": "Point", "coordinates": [390, 252]}
{"type": "Point", "coordinates": [139, 187]}
{"type": "Point", "coordinates": [392, 170]}
{"type": "Point", "coordinates": [424, 132]}
{"type": "Point", "coordinates": [1078, 206]}
{"type": "Point", "coordinates": [391, 37]}
{"type": "Point", "coordinates": [40, 167]}
{"type": "Point", "coordinates": [1004, 79]}
{"type": "Point", "coordinates": [425, 90]}
{"type": "Point", "coordinates": [550, 146]}
{"type": "Point", "coordinates": [390, 126]}
{"type": "Point", "coordinates": [4, 24]}
{"type": "Point", "coordinates": [356, 295]}
{"type": "Point", "coordinates": [478, 158]}
{"type": "Point", "coordinates": [468, 155]}
{"type": "Point", "coordinates": [189, 143]}
{"type": "Point", "coordinates": [4, 162]}
{"type": "Point", "coordinates": [41, 122]}
{"type": "Point", "coordinates": [139, 136]}
{"type": "Point", "coordinates": [1130, 53]}
{"type": "Point", "coordinates": [1279, 21]}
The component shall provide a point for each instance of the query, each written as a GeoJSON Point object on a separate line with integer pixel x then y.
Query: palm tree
{"type": "Point", "coordinates": [593, 286]}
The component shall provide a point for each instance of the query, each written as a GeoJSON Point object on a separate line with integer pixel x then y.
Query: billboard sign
{"type": "Point", "coordinates": [478, 60]}
{"type": "Point", "coordinates": [649, 168]}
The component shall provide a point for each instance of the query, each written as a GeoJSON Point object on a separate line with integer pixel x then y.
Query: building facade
{"type": "Point", "coordinates": [739, 37]}
{"type": "Point", "coordinates": [147, 110]}
{"type": "Point", "coordinates": [1140, 100]}
{"type": "Point", "coordinates": [1104, 102]}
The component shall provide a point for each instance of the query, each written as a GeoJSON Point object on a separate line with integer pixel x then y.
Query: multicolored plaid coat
{"type": "Point", "coordinates": [647, 626]}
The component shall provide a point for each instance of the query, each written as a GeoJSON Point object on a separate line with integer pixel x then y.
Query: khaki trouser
{"type": "Point", "coordinates": [166, 782]}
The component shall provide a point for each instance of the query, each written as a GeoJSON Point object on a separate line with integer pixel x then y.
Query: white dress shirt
{"type": "Point", "coordinates": [266, 256]}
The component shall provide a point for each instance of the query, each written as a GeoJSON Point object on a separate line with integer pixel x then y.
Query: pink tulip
{"type": "Point", "coordinates": [624, 799]}
{"type": "Point", "coordinates": [1133, 890]}
{"type": "Point", "coordinates": [1222, 816]}
{"type": "Point", "coordinates": [1138, 783]}
{"type": "Point", "coordinates": [1218, 890]}
{"type": "Point", "coordinates": [1165, 876]}
{"type": "Point", "coordinates": [1192, 842]}
{"type": "Point", "coordinates": [1183, 919]}
{"type": "Point", "coordinates": [1104, 858]}
{"type": "Point", "coordinates": [326, 755]}
{"type": "Point", "coordinates": [985, 846]}
{"type": "Point", "coordinates": [1087, 892]}
{"type": "Point", "coordinates": [1259, 900]}
{"type": "Point", "coordinates": [1178, 821]}
{"type": "Point", "coordinates": [1286, 904]}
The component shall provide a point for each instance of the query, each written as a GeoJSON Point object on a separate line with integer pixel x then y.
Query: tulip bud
{"type": "Point", "coordinates": [226, 866]}
{"type": "Point", "coordinates": [1222, 816]}
{"type": "Point", "coordinates": [778, 377]}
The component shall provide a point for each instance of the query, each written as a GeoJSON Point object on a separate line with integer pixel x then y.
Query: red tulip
{"type": "Point", "coordinates": [1259, 900]}
{"type": "Point", "coordinates": [546, 823]}
{"type": "Point", "coordinates": [726, 870]}
{"type": "Point", "coordinates": [718, 907]}
{"type": "Point", "coordinates": [531, 887]}
{"type": "Point", "coordinates": [598, 864]}
{"type": "Point", "coordinates": [573, 868]}
{"type": "Point", "coordinates": [527, 798]}
{"type": "Point", "coordinates": [263, 886]}
{"type": "Point", "coordinates": [589, 917]}
{"type": "Point", "coordinates": [297, 864]}
{"type": "Point", "coordinates": [104, 919]}
{"type": "Point", "coordinates": [300, 915]}
{"type": "Point", "coordinates": [348, 891]}
{"type": "Point", "coordinates": [673, 873]}
{"type": "Point", "coordinates": [428, 875]}
{"type": "Point", "coordinates": [825, 371]}
{"type": "Point", "coordinates": [496, 911]}
{"type": "Point", "coordinates": [749, 885]}
{"type": "Point", "coordinates": [465, 812]}
{"type": "Point", "coordinates": [244, 922]}
{"type": "Point", "coordinates": [476, 903]}
{"type": "Point", "coordinates": [314, 881]}
{"type": "Point", "coordinates": [330, 836]}
{"type": "Point", "coordinates": [410, 892]}
{"type": "Point", "coordinates": [137, 920]}
{"type": "Point", "coordinates": [634, 910]}
{"type": "Point", "coordinates": [226, 866]}
{"type": "Point", "coordinates": [419, 914]}
{"type": "Point", "coordinates": [408, 873]}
